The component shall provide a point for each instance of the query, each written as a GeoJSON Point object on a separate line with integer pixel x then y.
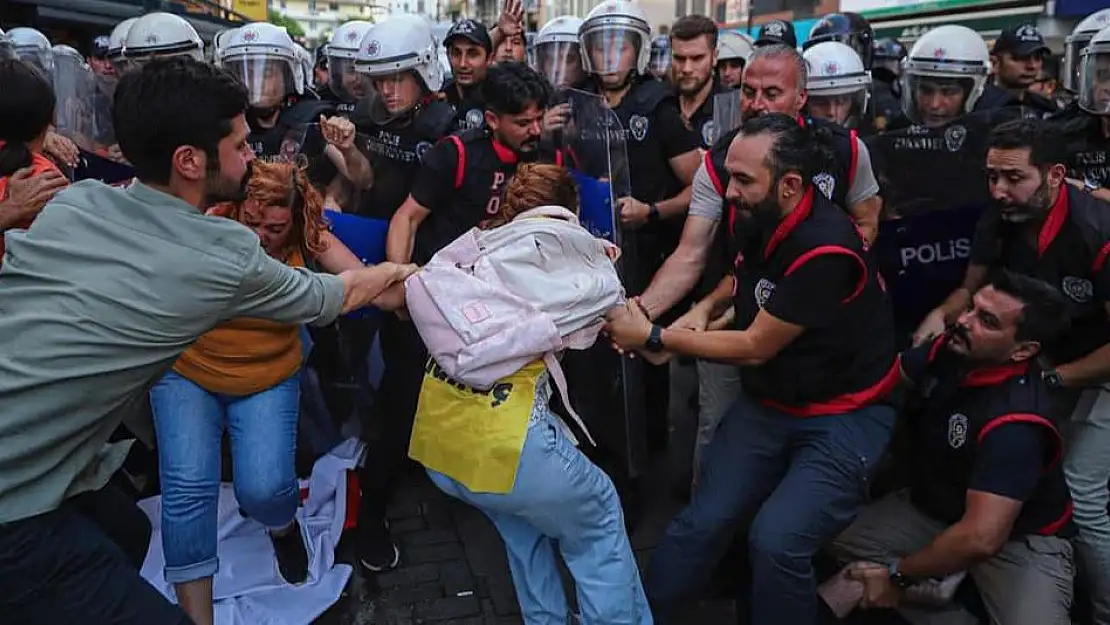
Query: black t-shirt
{"type": "Point", "coordinates": [297, 132]}
{"type": "Point", "coordinates": [701, 121]}
{"type": "Point", "coordinates": [461, 189]}
{"type": "Point", "coordinates": [1071, 252]}
{"type": "Point", "coordinates": [991, 430]}
{"type": "Point", "coordinates": [1032, 105]}
{"type": "Point", "coordinates": [470, 106]}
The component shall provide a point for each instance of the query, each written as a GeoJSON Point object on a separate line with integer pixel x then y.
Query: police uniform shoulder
{"type": "Point", "coordinates": [835, 129]}
{"type": "Point", "coordinates": [307, 111]}
{"type": "Point", "coordinates": [437, 118]}
{"type": "Point", "coordinates": [1090, 215]}
{"type": "Point", "coordinates": [827, 224]}
{"type": "Point", "coordinates": [649, 94]}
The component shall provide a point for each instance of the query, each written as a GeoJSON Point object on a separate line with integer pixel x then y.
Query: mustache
{"type": "Point", "coordinates": [957, 331]}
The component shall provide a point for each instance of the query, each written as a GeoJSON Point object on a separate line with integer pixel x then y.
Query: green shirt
{"type": "Point", "coordinates": [97, 301]}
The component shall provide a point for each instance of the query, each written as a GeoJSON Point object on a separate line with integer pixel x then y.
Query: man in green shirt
{"type": "Point", "coordinates": [97, 300]}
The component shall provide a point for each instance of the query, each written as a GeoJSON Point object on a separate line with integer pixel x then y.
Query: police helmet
{"type": "Point", "coordinates": [660, 55]}
{"type": "Point", "coordinates": [401, 43]}
{"type": "Point", "coordinates": [1074, 44]}
{"type": "Point", "coordinates": [342, 50]}
{"type": "Point", "coordinates": [850, 29]}
{"type": "Point", "coordinates": [607, 27]}
{"type": "Point", "coordinates": [732, 45]}
{"type": "Point", "coordinates": [1094, 74]}
{"type": "Point", "coordinates": [161, 35]}
{"type": "Point", "coordinates": [7, 51]}
{"type": "Point", "coordinates": [944, 60]}
{"type": "Point", "coordinates": [839, 86]}
{"type": "Point", "coordinates": [117, 42]}
{"type": "Point", "coordinates": [556, 53]}
{"type": "Point", "coordinates": [33, 47]}
{"type": "Point", "coordinates": [263, 57]}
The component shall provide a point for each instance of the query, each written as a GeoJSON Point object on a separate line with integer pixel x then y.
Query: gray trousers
{"type": "Point", "coordinates": [1087, 468]}
{"type": "Point", "coordinates": [1029, 582]}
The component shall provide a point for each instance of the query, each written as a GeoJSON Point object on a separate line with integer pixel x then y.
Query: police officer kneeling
{"type": "Point", "coordinates": [814, 337]}
{"type": "Point", "coordinates": [987, 492]}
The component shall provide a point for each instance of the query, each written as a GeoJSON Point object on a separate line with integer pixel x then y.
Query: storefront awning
{"type": "Point", "coordinates": [108, 13]}
{"type": "Point", "coordinates": [988, 23]}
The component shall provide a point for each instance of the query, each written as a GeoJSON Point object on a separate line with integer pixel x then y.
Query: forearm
{"type": "Point", "coordinates": [362, 286]}
{"type": "Point", "coordinates": [956, 549]}
{"type": "Point", "coordinates": [678, 275]}
{"type": "Point", "coordinates": [400, 240]}
{"type": "Point", "coordinates": [1092, 369]}
{"type": "Point", "coordinates": [359, 171]}
{"type": "Point", "coordinates": [730, 346]}
{"type": "Point", "coordinates": [675, 206]}
{"type": "Point", "coordinates": [336, 257]}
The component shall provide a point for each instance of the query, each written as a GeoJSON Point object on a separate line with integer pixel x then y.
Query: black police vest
{"type": "Point", "coordinates": [1087, 149]}
{"type": "Point", "coordinates": [837, 181]}
{"type": "Point", "coordinates": [286, 138]}
{"type": "Point", "coordinates": [396, 151]}
{"type": "Point", "coordinates": [839, 367]}
{"type": "Point", "coordinates": [952, 411]}
{"type": "Point", "coordinates": [1073, 249]}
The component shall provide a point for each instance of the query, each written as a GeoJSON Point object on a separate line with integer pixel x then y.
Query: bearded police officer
{"type": "Point", "coordinates": [987, 492]}
{"type": "Point", "coordinates": [814, 338]}
{"type": "Point", "coordinates": [402, 120]}
{"type": "Point", "coordinates": [693, 56]}
{"type": "Point", "coordinates": [1043, 227]}
{"type": "Point", "coordinates": [345, 86]}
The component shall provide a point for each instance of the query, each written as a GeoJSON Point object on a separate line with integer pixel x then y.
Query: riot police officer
{"type": "Point", "coordinates": [1077, 41]}
{"type": "Point", "coordinates": [117, 41]}
{"type": "Point", "coordinates": [557, 54]}
{"type": "Point", "coordinates": [733, 50]}
{"type": "Point", "coordinates": [345, 84]}
{"type": "Point", "coordinates": [33, 47]}
{"type": "Point", "coordinates": [886, 77]}
{"type": "Point", "coordinates": [282, 119]}
{"type": "Point", "coordinates": [850, 29]}
{"type": "Point", "coordinates": [839, 87]}
{"type": "Point", "coordinates": [660, 64]}
{"type": "Point", "coordinates": [945, 74]}
{"type": "Point", "coordinates": [160, 35]}
{"type": "Point", "coordinates": [1086, 124]}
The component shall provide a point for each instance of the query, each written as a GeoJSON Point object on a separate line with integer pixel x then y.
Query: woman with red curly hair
{"type": "Point", "coordinates": [242, 375]}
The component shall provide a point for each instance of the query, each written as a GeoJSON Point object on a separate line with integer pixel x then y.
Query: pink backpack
{"type": "Point", "coordinates": [495, 300]}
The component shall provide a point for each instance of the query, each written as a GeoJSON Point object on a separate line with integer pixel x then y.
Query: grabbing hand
{"type": "Point", "coordinates": [879, 591]}
{"type": "Point", "coordinates": [338, 131]}
{"type": "Point", "coordinates": [628, 326]}
{"type": "Point", "coordinates": [28, 193]}
{"type": "Point", "coordinates": [932, 327]}
{"type": "Point", "coordinates": [61, 149]}
{"type": "Point", "coordinates": [634, 213]}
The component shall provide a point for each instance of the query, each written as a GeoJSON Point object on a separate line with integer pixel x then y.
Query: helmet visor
{"type": "Point", "coordinates": [42, 59]}
{"type": "Point", "coordinates": [560, 62]}
{"type": "Point", "coordinates": [613, 50]}
{"type": "Point", "coordinates": [268, 80]}
{"type": "Point", "coordinates": [391, 97]}
{"type": "Point", "coordinates": [935, 100]}
{"type": "Point", "coordinates": [347, 84]}
{"type": "Point", "coordinates": [1094, 82]}
{"type": "Point", "coordinates": [847, 109]}
{"type": "Point", "coordinates": [660, 61]}
{"type": "Point", "coordinates": [1073, 48]}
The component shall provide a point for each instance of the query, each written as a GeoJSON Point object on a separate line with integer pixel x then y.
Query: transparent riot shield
{"type": "Point", "coordinates": [606, 389]}
{"type": "Point", "coordinates": [75, 90]}
{"type": "Point", "coordinates": [934, 189]}
{"type": "Point", "coordinates": [726, 116]}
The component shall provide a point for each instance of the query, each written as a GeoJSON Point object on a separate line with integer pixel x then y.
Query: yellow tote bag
{"type": "Point", "coordinates": [474, 437]}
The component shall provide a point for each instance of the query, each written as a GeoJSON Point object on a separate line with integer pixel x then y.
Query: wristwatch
{"type": "Point", "coordinates": [896, 576]}
{"type": "Point", "coordinates": [653, 212]}
{"type": "Point", "coordinates": [1052, 378]}
{"type": "Point", "coordinates": [1090, 186]}
{"type": "Point", "coordinates": [654, 343]}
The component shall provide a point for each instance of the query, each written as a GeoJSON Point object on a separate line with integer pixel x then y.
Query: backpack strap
{"type": "Point", "coordinates": [461, 170]}
{"type": "Point", "coordinates": [556, 371]}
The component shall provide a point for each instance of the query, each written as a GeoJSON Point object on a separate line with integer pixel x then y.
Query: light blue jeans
{"type": "Point", "coordinates": [561, 497]}
{"type": "Point", "coordinates": [189, 423]}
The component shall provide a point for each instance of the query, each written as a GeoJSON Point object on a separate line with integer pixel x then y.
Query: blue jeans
{"type": "Point", "coordinates": [792, 484]}
{"type": "Point", "coordinates": [189, 424]}
{"type": "Point", "coordinates": [561, 496]}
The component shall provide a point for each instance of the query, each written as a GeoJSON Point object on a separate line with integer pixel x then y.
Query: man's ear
{"type": "Point", "coordinates": [792, 186]}
{"type": "Point", "coordinates": [189, 162]}
{"type": "Point", "coordinates": [1056, 175]}
{"type": "Point", "coordinates": [492, 122]}
{"type": "Point", "coordinates": [1025, 351]}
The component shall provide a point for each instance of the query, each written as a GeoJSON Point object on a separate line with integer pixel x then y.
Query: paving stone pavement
{"type": "Point", "coordinates": [454, 569]}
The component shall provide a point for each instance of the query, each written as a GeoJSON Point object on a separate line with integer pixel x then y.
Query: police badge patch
{"type": "Point", "coordinates": [826, 183]}
{"type": "Point", "coordinates": [638, 124]}
{"type": "Point", "coordinates": [1079, 289]}
{"type": "Point", "coordinates": [709, 133]}
{"type": "Point", "coordinates": [474, 118]}
{"type": "Point", "coordinates": [954, 137]}
{"type": "Point", "coordinates": [421, 148]}
{"type": "Point", "coordinates": [764, 289]}
{"type": "Point", "coordinates": [957, 431]}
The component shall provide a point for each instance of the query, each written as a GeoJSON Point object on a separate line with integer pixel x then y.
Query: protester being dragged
{"type": "Point", "coordinates": [27, 110]}
{"type": "Point", "coordinates": [101, 297]}
{"type": "Point", "coordinates": [513, 458]}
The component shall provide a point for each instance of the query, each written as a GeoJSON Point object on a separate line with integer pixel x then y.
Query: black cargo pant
{"type": "Point", "coordinates": [80, 564]}
{"type": "Point", "coordinates": [388, 442]}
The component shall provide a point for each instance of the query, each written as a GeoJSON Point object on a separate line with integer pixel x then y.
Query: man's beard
{"type": "Point", "coordinates": [763, 216]}
{"type": "Point", "coordinates": [1036, 206]}
{"type": "Point", "coordinates": [696, 88]}
{"type": "Point", "coordinates": [219, 189]}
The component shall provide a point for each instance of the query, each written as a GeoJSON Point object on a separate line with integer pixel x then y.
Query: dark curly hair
{"type": "Point", "coordinates": [510, 87]}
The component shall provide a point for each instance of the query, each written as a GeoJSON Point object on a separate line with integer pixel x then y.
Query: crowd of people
{"type": "Point", "coordinates": [172, 261]}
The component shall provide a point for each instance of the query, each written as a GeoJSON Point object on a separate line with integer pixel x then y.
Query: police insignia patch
{"type": "Point", "coordinates": [372, 48]}
{"type": "Point", "coordinates": [957, 431]}
{"type": "Point", "coordinates": [474, 118]}
{"type": "Point", "coordinates": [421, 148]}
{"type": "Point", "coordinates": [709, 133]}
{"type": "Point", "coordinates": [764, 289]}
{"type": "Point", "coordinates": [1078, 289]}
{"type": "Point", "coordinates": [826, 183]}
{"type": "Point", "coordinates": [954, 137]}
{"type": "Point", "coordinates": [638, 124]}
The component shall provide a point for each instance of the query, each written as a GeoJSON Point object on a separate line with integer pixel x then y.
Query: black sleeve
{"type": "Point", "coordinates": [1100, 274]}
{"type": "Point", "coordinates": [435, 181]}
{"type": "Point", "coordinates": [1010, 460]}
{"type": "Point", "coordinates": [915, 362]}
{"type": "Point", "coordinates": [674, 136]}
{"type": "Point", "coordinates": [812, 295]}
{"type": "Point", "coordinates": [984, 245]}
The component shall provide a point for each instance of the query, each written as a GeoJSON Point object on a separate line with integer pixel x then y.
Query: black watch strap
{"type": "Point", "coordinates": [654, 343]}
{"type": "Point", "coordinates": [653, 212]}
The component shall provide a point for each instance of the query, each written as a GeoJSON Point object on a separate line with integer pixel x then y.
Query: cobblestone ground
{"type": "Point", "coordinates": [454, 569]}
